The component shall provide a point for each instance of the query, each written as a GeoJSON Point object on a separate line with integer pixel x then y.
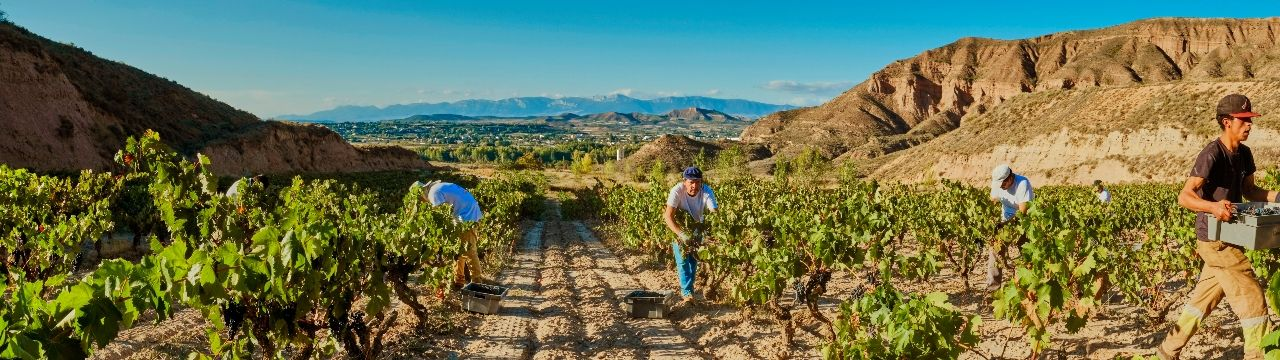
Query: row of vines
{"type": "Point", "coordinates": [775, 244]}
{"type": "Point", "coordinates": [308, 271]}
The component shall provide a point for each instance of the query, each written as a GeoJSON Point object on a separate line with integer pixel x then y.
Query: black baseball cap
{"type": "Point", "coordinates": [1236, 105]}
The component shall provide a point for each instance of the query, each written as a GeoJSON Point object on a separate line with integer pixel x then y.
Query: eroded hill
{"type": "Point", "coordinates": [1075, 75]}
{"type": "Point", "coordinates": [1115, 134]}
{"type": "Point", "coordinates": [62, 108]}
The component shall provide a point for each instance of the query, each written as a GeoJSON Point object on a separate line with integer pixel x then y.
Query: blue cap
{"type": "Point", "coordinates": [693, 173]}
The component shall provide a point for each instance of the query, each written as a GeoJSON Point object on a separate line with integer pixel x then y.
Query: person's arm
{"type": "Point", "coordinates": [669, 217]}
{"type": "Point", "coordinates": [669, 214]}
{"type": "Point", "coordinates": [1255, 193]}
{"type": "Point", "coordinates": [1024, 195]}
{"type": "Point", "coordinates": [1188, 199]}
{"type": "Point", "coordinates": [712, 205]}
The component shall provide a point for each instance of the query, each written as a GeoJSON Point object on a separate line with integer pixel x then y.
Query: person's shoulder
{"type": "Point", "coordinates": [1212, 149]}
{"type": "Point", "coordinates": [1022, 180]}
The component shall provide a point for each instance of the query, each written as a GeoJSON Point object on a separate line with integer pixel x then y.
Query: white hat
{"type": "Point", "coordinates": [998, 175]}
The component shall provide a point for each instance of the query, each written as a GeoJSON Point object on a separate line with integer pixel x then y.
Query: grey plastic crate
{"type": "Point", "coordinates": [483, 298]}
{"type": "Point", "coordinates": [647, 304]}
{"type": "Point", "coordinates": [1249, 231]}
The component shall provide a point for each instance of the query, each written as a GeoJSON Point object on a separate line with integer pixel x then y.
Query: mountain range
{"type": "Point", "coordinates": [542, 106]}
{"type": "Point", "coordinates": [612, 117]}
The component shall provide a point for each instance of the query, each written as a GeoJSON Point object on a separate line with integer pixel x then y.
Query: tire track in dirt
{"type": "Point", "coordinates": [506, 335]}
{"type": "Point", "coordinates": [560, 329]}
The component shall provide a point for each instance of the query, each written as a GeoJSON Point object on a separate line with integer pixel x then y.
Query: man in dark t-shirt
{"type": "Point", "coordinates": [1221, 176]}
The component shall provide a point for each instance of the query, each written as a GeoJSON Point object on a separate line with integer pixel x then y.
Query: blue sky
{"type": "Point", "coordinates": [280, 57]}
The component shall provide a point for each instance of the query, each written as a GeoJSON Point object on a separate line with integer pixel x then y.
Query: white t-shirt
{"type": "Point", "coordinates": [1104, 196]}
{"type": "Point", "coordinates": [235, 187]}
{"type": "Point", "coordinates": [1019, 193]}
{"type": "Point", "coordinates": [464, 205]}
{"type": "Point", "coordinates": [695, 205]}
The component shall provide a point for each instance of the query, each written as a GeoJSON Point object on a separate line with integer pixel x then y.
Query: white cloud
{"type": "Point", "coordinates": [810, 88]}
{"type": "Point", "coordinates": [713, 92]}
{"type": "Point", "coordinates": [629, 92]}
{"type": "Point", "coordinates": [807, 100]}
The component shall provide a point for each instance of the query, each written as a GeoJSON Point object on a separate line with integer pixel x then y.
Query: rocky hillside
{"type": "Point", "coordinates": [677, 152]}
{"type": "Point", "coordinates": [913, 101]}
{"type": "Point", "coordinates": [1115, 134]}
{"type": "Point", "coordinates": [62, 108]}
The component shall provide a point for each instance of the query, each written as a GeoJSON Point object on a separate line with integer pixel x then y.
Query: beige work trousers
{"type": "Point", "coordinates": [1226, 274]}
{"type": "Point", "coordinates": [469, 261]}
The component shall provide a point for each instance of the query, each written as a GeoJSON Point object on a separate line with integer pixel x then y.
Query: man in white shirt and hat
{"type": "Point", "coordinates": [1013, 192]}
{"type": "Point", "coordinates": [466, 209]}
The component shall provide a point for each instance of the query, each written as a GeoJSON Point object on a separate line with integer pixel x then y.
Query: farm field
{"type": "Point", "coordinates": [790, 269]}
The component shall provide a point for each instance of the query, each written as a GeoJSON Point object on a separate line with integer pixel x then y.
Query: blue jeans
{"type": "Point", "coordinates": [686, 267]}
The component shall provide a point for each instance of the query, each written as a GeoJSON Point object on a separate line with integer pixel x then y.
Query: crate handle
{"type": "Point", "coordinates": [1217, 230]}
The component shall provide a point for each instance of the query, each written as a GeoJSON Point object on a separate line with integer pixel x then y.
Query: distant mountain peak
{"type": "Point", "coordinates": [700, 114]}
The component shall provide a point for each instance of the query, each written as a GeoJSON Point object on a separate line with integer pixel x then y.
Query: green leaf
{"type": "Point", "coordinates": [1085, 266]}
{"type": "Point", "coordinates": [379, 298]}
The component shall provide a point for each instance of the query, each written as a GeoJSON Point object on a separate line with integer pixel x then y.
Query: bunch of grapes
{"type": "Point", "coordinates": [871, 280]}
{"type": "Point", "coordinates": [1258, 211]}
{"type": "Point", "coordinates": [233, 315]}
{"type": "Point", "coordinates": [811, 287]}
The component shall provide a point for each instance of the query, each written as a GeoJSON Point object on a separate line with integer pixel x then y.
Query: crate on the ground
{"type": "Point", "coordinates": [647, 304]}
{"type": "Point", "coordinates": [483, 298]}
{"type": "Point", "coordinates": [1249, 231]}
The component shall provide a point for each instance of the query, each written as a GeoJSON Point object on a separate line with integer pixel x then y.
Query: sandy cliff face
{"type": "Point", "coordinates": [61, 108]}
{"type": "Point", "coordinates": [930, 94]}
{"type": "Point", "coordinates": [44, 123]}
{"type": "Point", "coordinates": [1115, 134]}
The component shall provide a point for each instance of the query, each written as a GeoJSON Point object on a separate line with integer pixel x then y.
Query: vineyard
{"type": "Point", "coordinates": [309, 271]}
{"type": "Point", "coordinates": [774, 245]}
{"type": "Point", "coordinates": [315, 268]}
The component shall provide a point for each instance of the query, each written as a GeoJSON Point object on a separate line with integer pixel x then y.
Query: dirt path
{"type": "Point", "coordinates": [505, 335]}
{"type": "Point", "coordinates": [169, 339]}
{"type": "Point", "coordinates": [567, 305]}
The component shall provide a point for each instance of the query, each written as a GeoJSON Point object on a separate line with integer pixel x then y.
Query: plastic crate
{"type": "Point", "coordinates": [1248, 231]}
{"type": "Point", "coordinates": [647, 304]}
{"type": "Point", "coordinates": [483, 298]}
